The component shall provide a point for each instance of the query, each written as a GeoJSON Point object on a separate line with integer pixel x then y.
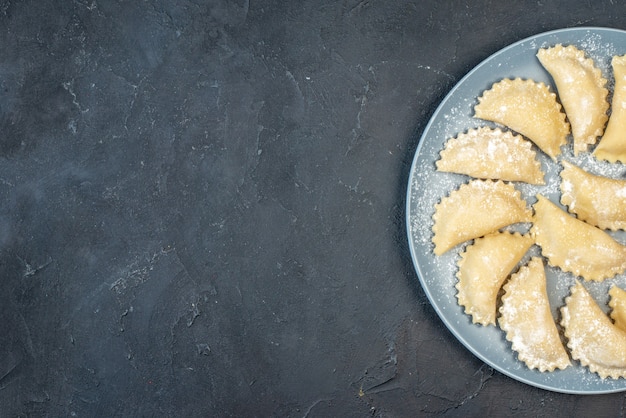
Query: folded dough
{"type": "Point", "coordinates": [598, 200]}
{"type": "Point", "coordinates": [483, 267]}
{"type": "Point", "coordinates": [529, 108]}
{"type": "Point", "coordinates": [491, 154]}
{"type": "Point", "coordinates": [617, 303]}
{"type": "Point", "coordinates": [592, 338]}
{"type": "Point", "coordinates": [527, 319]}
{"type": "Point", "coordinates": [612, 146]}
{"type": "Point", "coordinates": [581, 89]}
{"type": "Point", "coordinates": [574, 245]}
{"type": "Point", "coordinates": [475, 209]}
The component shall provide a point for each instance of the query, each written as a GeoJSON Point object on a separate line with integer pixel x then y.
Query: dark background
{"type": "Point", "coordinates": [202, 207]}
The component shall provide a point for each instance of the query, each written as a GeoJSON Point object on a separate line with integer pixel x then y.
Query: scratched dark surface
{"type": "Point", "coordinates": [202, 207]}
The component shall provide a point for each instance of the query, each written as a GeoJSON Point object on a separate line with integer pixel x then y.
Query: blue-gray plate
{"type": "Point", "coordinates": [427, 186]}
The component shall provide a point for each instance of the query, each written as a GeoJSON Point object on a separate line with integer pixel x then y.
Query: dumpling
{"type": "Point", "coordinates": [491, 154]}
{"type": "Point", "coordinates": [529, 108]}
{"type": "Point", "coordinates": [527, 319]}
{"type": "Point", "coordinates": [574, 245]}
{"type": "Point", "coordinates": [617, 303]}
{"type": "Point", "coordinates": [612, 146]}
{"type": "Point", "coordinates": [582, 91]}
{"type": "Point", "coordinates": [483, 267]}
{"type": "Point", "coordinates": [598, 200]}
{"type": "Point", "coordinates": [475, 209]}
{"type": "Point", "coordinates": [592, 338]}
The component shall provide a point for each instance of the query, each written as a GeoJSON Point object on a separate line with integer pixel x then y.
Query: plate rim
{"type": "Point", "coordinates": [408, 198]}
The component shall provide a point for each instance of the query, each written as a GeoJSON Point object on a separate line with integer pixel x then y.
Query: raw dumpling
{"type": "Point", "coordinates": [618, 305]}
{"type": "Point", "coordinates": [476, 209]}
{"type": "Point", "coordinates": [598, 200]}
{"type": "Point", "coordinates": [483, 267]}
{"type": "Point", "coordinates": [612, 146]}
{"type": "Point", "coordinates": [491, 154]}
{"type": "Point", "coordinates": [529, 108]}
{"type": "Point", "coordinates": [582, 91]}
{"type": "Point", "coordinates": [574, 245]}
{"type": "Point", "coordinates": [528, 322]}
{"type": "Point", "coordinates": [592, 338]}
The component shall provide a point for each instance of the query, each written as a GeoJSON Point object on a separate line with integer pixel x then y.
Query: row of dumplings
{"type": "Point", "coordinates": [532, 109]}
{"type": "Point", "coordinates": [576, 242]}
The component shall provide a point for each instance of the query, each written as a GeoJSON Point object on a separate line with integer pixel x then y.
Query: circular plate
{"type": "Point", "coordinates": [427, 186]}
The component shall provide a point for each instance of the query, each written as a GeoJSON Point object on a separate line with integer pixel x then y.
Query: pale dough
{"type": "Point", "coordinates": [574, 245]}
{"type": "Point", "coordinates": [612, 146]}
{"type": "Point", "coordinates": [617, 303]}
{"type": "Point", "coordinates": [483, 267]}
{"type": "Point", "coordinates": [581, 89]}
{"type": "Point", "coordinates": [491, 154]}
{"type": "Point", "coordinates": [529, 108]}
{"type": "Point", "coordinates": [598, 200]}
{"type": "Point", "coordinates": [475, 209]}
{"type": "Point", "coordinates": [528, 322]}
{"type": "Point", "coordinates": [592, 338]}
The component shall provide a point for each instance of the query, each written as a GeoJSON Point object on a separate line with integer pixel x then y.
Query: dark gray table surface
{"type": "Point", "coordinates": [202, 207]}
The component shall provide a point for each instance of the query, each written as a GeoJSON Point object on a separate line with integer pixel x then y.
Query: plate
{"type": "Point", "coordinates": [427, 186]}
